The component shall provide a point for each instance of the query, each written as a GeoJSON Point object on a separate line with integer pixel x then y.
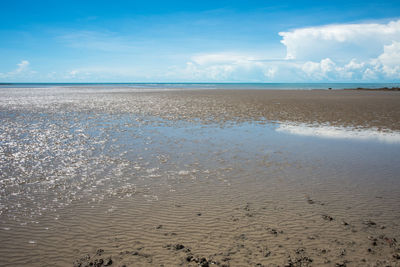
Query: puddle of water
{"type": "Point", "coordinates": [60, 159]}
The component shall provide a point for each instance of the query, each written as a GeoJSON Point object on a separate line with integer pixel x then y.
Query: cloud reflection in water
{"type": "Point", "coordinates": [326, 131]}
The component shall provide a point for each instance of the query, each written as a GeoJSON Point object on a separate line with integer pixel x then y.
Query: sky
{"type": "Point", "coordinates": [199, 41]}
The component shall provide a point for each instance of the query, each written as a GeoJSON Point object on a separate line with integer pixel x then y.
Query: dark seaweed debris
{"type": "Point", "coordinates": [94, 261]}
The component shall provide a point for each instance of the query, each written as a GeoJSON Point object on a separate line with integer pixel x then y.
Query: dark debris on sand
{"type": "Point", "coordinates": [94, 261]}
{"type": "Point", "coordinates": [185, 256]}
{"type": "Point", "coordinates": [298, 260]}
{"type": "Point", "coordinates": [327, 217]}
{"type": "Point", "coordinates": [189, 257]}
{"type": "Point", "coordinates": [369, 223]}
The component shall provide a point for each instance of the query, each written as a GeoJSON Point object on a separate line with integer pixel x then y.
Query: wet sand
{"type": "Point", "coordinates": [196, 178]}
{"type": "Point", "coordinates": [378, 109]}
{"type": "Point", "coordinates": [348, 108]}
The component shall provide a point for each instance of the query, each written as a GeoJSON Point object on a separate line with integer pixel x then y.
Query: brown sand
{"type": "Point", "coordinates": [365, 109]}
{"type": "Point", "coordinates": [358, 108]}
{"type": "Point", "coordinates": [380, 109]}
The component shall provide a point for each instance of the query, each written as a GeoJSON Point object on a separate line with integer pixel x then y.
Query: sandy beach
{"type": "Point", "coordinates": [122, 177]}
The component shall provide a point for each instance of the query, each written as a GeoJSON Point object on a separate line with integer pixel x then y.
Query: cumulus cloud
{"type": "Point", "coordinates": [226, 67]}
{"type": "Point", "coordinates": [347, 52]}
{"type": "Point", "coordinates": [385, 67]}
{"type": "Point", "coordinates": [322, 68]}
{"type": "Point", "coordinates": [391, 54]}
{"type": "Point", "coordinates": [361, 41]}
{"type": "Point", "coordinates": [389, 60]}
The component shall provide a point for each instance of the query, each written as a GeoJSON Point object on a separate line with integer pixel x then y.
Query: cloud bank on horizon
{"type": "Point", "coordinates": [357, 52]}
{"type": "Point", "coordinates": [345, 52]}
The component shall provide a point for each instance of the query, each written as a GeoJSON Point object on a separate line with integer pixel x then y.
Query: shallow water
{"type": "Point", "coordinates": [75, 180]}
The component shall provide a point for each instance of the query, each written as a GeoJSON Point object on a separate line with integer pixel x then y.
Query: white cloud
{"type": "Point", "coordinates": [22, 71]}
{"type": "Point", "coordinates": [369, 74]}
{"type": "Point", "coordinates": [23, 66]}
{"type": "Point", "coordinates": [216, 71]}
{"type": "Point", "coordinates": [353, 65]}
{"type": "Point", "coordinates": [221, 59]}
{"type": "Point", "coordinates": [389, 60]}
{"type": "Point", "coordinates": [382, 68]}
{"type": "Point", "coordinates": [271, 72]}
{"type": "Point", "coordinates": [319, 70]}
{"type": "Point", "coordinates": [73, 73]}
{"type": "Point", "coordinates": [391, 54]}
{"type": "Point", "coordinates": [347, 52]}
{"type": "Point", "coordinates": [361, 41]}
{"type": "Point", "coordinates": [223, 67]}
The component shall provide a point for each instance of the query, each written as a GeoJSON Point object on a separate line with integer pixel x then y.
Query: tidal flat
{"type": "Point", "coordinates": [114, 176]}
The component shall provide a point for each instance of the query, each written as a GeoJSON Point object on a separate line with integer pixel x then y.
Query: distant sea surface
{"type": "Point", "coordinates": [178, 86]}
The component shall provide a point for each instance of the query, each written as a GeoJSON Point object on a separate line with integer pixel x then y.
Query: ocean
{"type": "Point", "coordinates": [182, 86]}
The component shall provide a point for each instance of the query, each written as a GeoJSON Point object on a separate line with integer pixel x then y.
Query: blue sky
{"type": "Point", "coordinates": [200, 41]}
